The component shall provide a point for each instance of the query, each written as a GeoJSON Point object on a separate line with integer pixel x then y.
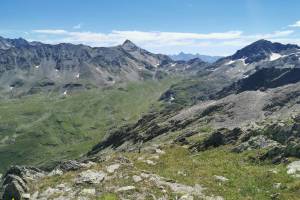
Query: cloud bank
{"type": "Point", "coordinates": [219, 43]}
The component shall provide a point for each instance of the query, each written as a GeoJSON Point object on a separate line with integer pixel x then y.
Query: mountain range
{"type": "Point", "coordinates": [122, 123]}
{"type": "Point", "coordinates": [188, 56]}
{"type": "Point", "coordinates": [33, 67]}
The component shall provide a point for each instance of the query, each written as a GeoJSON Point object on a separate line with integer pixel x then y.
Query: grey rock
{"type": "Point", "coordinates": [150, 162]}
{"type": "Point", "coordinates": [54, 172]}
{"type": "Point", "coordinates": [70, 165]}
{"type": "Point", "coordinates": [16, 179]}
{"type": "Point", "coordinates": [257, 142]}
{"type": "Point", "coordinates": [136, 178]}
{"type": "Point", "coordinates": [294, 169]}
{"type": "Point", "coordinates": [218, 138]}
{"type": "Point", "coordinates": [90, 177]}
{"type": "Point", "coordinates": [125, 188]}
{"type": "Point", "coordinates": [88, 191]}
{"type": "Point", "coordinates": [112, 168]}
{"type": "Point", "coordinates": [221, 178]}
{"type": "Point", "coordinates": [26, 196]}
{"type": "Point", "coordinates": [13, 190]}
{"type": "Point", "coordinates": [186, 197]}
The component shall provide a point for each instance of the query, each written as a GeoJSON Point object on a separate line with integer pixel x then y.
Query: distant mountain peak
{"type": "Point", "coordinates": [129, 45]}
{"type": "Point", "coordinates": [195, 60]}
{"type": "Point", "coordinates": [8, 43]}
{"type": "Point", "coordinates": [188, 56]}
{"type": "Point", "coordinates": [261, 50]}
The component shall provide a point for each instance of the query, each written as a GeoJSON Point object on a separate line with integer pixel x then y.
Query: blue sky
{"type": "Point", "coordinates": [213, 27]}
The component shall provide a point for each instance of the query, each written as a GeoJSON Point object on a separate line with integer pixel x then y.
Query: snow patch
{"type": "Point", "coordinates": [245, 76]}
{"type": "Point", "coordinates": [77, 75]}
{"type": "Point", "coordinates": [11, 88]}
{"type": "Point", "coordinates": [275, 56]}
{"type": "Point", "coordinates": [172, 98]}
{"type": "Point", "coordinates": [99, 70]}
{"type": "Point", "coordinates": [66, 92]}
{"type": "Point", "coordinates": [173, 64]}
{"type": "Point", "coordinates": [37, 66]}
{"type": "Point", "coordinates": [230, 62]}
{"type": "Point", "coordinates": [243, 60]}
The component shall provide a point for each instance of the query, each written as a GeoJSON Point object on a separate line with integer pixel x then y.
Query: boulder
{"type": "Point", "coordinates": [256, 142]}
{"type": "Point", "coordinates": [15, 181]}
{"type": "Point", "coordinates": [90, 177]}
{"type": "Point", "coordinates": [112, 168]}
{"type": "Point", "coordinates": [13, 190]}
{"type": "Point", "coordinates": [136, 178]}
{"type": "Point", "coordinates": [294, 169]}
{"type": "Point", "coordinates": [125, 188]}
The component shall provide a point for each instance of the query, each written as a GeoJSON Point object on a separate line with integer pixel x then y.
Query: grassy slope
{"type": "Point", "coordinates": [50, 128]}
{"type": "Point", "coordinates": [247, 180]}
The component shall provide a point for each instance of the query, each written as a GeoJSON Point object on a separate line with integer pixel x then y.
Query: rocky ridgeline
{"type": "Point", "coordinates": [278, 139]}
{"type": "Point", "coordinates": [95, 176]}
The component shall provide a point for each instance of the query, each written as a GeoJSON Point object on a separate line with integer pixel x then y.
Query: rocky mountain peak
{"type": "Point", "coordinates": [4, 44]}
{"type": "Point", "coordinates": [195, 61]}
{"type": "Point", "coordinates": [261, 50]}
{"type": "Point", "coordinates": [129, 46]}
{"type": "Point", "coordinates": [8, 43]}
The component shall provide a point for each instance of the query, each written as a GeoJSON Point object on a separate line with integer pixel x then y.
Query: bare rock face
{"type": "Point", "coordinates": [16, 179]}
{"type": "Point", "coordinates": [257, 142]}
{"type": "Point", "coordinates": [13, 191]}
{"type": "Point", "coordinates": [218, 138]}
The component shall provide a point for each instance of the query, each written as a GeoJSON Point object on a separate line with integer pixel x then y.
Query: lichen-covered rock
{"type": "Point", "coordinates": [90, 177]}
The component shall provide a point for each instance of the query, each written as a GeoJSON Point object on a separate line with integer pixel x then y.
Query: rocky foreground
{"type": "Point", "coordinates": [116, 176]}
{"type": "Point", "coordinates": [227, 164]}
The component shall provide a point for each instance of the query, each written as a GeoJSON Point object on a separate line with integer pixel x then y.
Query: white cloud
{"type": "Point", "coordinates": [164, 42]}
{"type": "Point", "coordinates": [275, 34]}
{"type": "Point", "coordinates": [296, 24]}
{"type": "Point", "coordinates": [51, 31]}
{"type": "Point", "coordinates": [78, 26]}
